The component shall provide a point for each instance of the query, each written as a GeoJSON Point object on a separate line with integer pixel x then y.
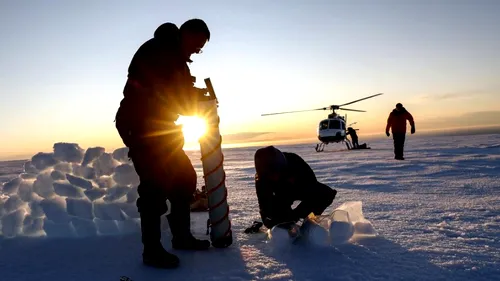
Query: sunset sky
{"type": "Point", "coordinates": [63, 65]}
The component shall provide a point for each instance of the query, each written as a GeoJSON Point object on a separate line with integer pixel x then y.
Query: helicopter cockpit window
{"type": "Point", "coordinates": [323, 125]}
{"type": "Point", "coordinates": [343, 125]}
{"type": "Point", "coordinates": [334, 124]}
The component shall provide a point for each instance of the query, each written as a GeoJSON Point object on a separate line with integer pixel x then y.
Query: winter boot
{"type": "Point", "coordinates": [154, 254]}
{"type": "Point", "coordinates": [189, 242]}
{"type": "Point", "coordinates": [157, 256]}
{"type": "Point", "coordinates": [179, 221]}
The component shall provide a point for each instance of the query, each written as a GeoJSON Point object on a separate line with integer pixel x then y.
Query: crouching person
{"type": "Point", "coordinates": [282, 178]}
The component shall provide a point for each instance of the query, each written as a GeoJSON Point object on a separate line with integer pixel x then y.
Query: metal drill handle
{"type": "Point", "coordinates": [210, 88]}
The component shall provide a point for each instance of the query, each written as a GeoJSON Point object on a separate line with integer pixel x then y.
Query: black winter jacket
{"type": "Point", "coordinates": [275, 200]}
{"type": "Point", "coordinates": [159, 87]}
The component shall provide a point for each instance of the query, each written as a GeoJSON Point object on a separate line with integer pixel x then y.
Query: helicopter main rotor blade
{"type": "Point", "coordinates": [332, 107]}
{"type": "Point", "coordinates": [266, 114]}
{"type": "Point", "coordinates": [357, 110]}
{"type": "Point", "coordinates": [361, 99]}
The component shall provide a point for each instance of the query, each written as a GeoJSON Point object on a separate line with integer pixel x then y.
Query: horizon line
{"type": "Point", "coordinates": [470, 130]}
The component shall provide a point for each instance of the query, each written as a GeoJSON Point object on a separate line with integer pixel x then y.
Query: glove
{"type": "Point", "coordinates": [412, 130]}
{"type": "Point", "coordinates": [387, 133]}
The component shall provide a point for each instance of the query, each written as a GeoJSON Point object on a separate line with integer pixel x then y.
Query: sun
{"type": "Point", "coordinates": [193, 128]}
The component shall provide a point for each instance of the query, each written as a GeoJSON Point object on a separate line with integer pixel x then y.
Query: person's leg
{"type": "Point", "coordinates": [151, 205]}
{"type": "Point", "coordinates": [399, 139]}
{"type": "Point", "coordinates": [180, 191]}
{"type": "Point", "coordinates": [402, 145]}
{"type": "Point", "coordinates": [355, 142]}
{"type": "Point", "coordinates": [395, 142]}
{"type": "Point", "coordinates": [314, 199]}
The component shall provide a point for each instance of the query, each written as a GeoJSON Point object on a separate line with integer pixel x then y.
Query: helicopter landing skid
{"type": "Point", "coordinates": [320, 147]}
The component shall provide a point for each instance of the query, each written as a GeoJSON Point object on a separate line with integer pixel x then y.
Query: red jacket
{"type": "Point", "coordinates": [397, 121]}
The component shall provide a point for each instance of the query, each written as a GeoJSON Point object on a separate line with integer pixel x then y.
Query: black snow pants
{"type": "Point", "coordinates": [355, 143]}
{"type": "Point", "coordinates": [165, 172]}
{"type": "Point", "coordinates": [314, 198]}
{"type": "Point", "coordinates": [399, 143]}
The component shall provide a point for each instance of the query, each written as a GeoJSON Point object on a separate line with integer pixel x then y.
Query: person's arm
{"type": "Point", "coordinates": [168, 78]}
{"type": "Point", "coordinates": [272, 209]}
{"type": "Point", "coordinates": [303, 179]}
{"type": "Point", "coordinates": [389, 124]}
{"type": "Point", "coordinates": [182, 96]}
{"type": "Point", "coordinates": [265, 200]}
{"type": "Point", "coordinates": [409, 117]}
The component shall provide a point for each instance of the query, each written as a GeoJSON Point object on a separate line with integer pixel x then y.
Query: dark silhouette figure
{"type": "Point", "coordinates": [281, 179]}
{"type": "Point", "coordinates": [159, 89]}
{"type": "Point", "coordinates": [354, 137]}
{"type": "Point", "coordinates": [397, 122]}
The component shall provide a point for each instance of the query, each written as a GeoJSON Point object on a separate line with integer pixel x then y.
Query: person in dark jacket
{"type": "Point", "coordinates": [159, 88]}
{"type": "Point", "coordinates": [282, 178]}
{"type": "Point", "coordinates": [397, 122]}
{"type": "Point", "coordinates": [354, 137]}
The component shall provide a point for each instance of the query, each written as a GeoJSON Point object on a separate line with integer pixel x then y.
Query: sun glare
{"type": "Point", "coordinates": [192, 127]}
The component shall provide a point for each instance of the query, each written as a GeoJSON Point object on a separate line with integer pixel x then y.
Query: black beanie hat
{"type": "Point", "coordinates": [269, 159]}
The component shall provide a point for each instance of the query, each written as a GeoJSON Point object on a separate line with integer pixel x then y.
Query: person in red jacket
{"type": "Point", "coordinates": [397, 122]}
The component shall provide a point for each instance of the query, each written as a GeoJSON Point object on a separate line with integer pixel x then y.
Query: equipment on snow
{"type": "Point", "coordinates": [361, 146]}
{"type": "Point", "coordinates": [335, 228]}
{"type": "Point", "coordinates": [300, 230]}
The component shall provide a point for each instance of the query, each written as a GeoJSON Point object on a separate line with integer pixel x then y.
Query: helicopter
{"type": "Point", "coordinates": [333, 128]}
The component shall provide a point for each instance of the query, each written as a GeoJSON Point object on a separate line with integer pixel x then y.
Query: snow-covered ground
{"type": "Point", "coordinates": [66, 216]}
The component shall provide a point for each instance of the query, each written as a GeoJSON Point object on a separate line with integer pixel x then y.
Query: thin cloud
{"type": "Point", "coordinates": [478, 118]}
{"type": "Point", "coordinates": [454, 95]}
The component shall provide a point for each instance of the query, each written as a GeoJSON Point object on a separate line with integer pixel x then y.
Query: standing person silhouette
{"type": "Point", "coordinates": [354, 137]}
{"type": "Point", "coordinates": [159, 88]}
{"type": "Point", "coordinates": [397, 123]}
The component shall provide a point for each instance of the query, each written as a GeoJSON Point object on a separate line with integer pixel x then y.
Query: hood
{"type": "Point", "coordinates": [396, 112]}
{"type": "Point", "coordinates": [169, 36]}
{"type": "Point", "coordinates": [268, 160]}
{"type": "Point", "coordinates": [167, 31]}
